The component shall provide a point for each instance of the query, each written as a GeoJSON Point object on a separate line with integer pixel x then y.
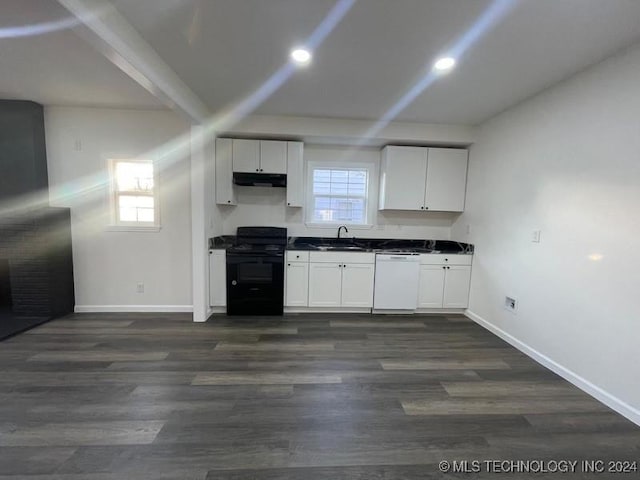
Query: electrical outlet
{"type": "Point", "coordinates": [510, 304]}
{"type": "Point", "coordinates": [140, 287]}
{"type": "Point", "coordinates": [468, 229]}
{"type": "Point", "coordinates": [77, 145]}
{"type": "Point", "coordinates": [535, 236]}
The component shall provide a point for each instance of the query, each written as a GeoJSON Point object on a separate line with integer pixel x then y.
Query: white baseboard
{"type": "Point", "coordinates": [132, 308]}
{"type": "Point", "coordinates": [441, 311]}
{"type": "Point", "coordinates": [598, 393]}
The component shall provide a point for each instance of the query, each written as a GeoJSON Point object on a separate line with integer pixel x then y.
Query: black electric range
{"type": "Point", "coordinates": [255, 271]}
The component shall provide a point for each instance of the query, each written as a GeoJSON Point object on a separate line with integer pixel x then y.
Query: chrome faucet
{"type": "Point", "coordinates": [346, 230]}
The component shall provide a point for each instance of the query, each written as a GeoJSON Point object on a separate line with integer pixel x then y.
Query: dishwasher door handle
{"type": "Point", "coordinates": [395, 258]}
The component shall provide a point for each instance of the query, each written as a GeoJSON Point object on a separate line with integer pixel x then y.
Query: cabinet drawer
{"type": "Point", "coordinates": [342, 257]}
{"type": "Point", "coordinates": [443, 259]}
{"type": "Point", "coordinates": [297, 256]}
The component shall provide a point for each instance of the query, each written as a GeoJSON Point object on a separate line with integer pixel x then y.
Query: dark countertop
{"type": "Point", "coordinates": [360, 245]}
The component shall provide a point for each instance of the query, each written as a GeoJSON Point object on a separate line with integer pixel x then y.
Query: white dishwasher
{"type": "Point", "coordinates": [396, 281]}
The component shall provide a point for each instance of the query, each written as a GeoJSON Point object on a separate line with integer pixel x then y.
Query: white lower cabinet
{"type": "Point", "coordinates": [456, 286]}
{"type": "Point", "coordinates": [431, 286]}
{"type": "Point", "coordinates": [357, 285]}
{"type": "Point", "coordinates": [217, 278]}
{"type": "Point", "coordinates": [325, 284]}
{"type": "Point", "coordinates": [346, 280]}
{"type": "Point", "coordinates": [444, 281]}
{"type": "Point", "coordinates": [297, 284]}
{"type": "Point", "coordinates": [340, 279]}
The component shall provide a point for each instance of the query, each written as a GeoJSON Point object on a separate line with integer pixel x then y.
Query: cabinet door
{"type": "Point", "coordinates": [295, 174]}
{"type": "Point", "coordinates": [273, 156]}
{"type": "Point", "coordinates": [357, 285]}
{"type": "Point", "coordinates": [246, 155]}
{"type": "Point", "coordinates": [225, 194]}
{"type": "Point", "coordinates": [297, 284]}
{"type": "Point", "coordinates": [456, 286]}
{"type": "Point", "coordinates": [325, 284]}
{"type": "Point", "coordinates": [217, 278]}
{"type": "Point", "coordinates": [402, 178]}
{"type": "Point", "coordinates": [431, 286]}
{"type": "Point", "coordinates": [446, 179]}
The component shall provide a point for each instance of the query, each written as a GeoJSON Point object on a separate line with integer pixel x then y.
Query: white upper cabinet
{"type": "Point", "coordinates": [259, 156]}
{"type": "Point", "coordinates": [273, 156]}
{"type": "Point", "coordinates": [225, 194]}
{"type": "Point", "coordinates": [246, 155]}
{"type": "Point", "coordinates": [295, 175]}
{"type": "Point", "coordinates": [420, 178]}
{"type": "Point", "coordinates": [402, 178]}
{"type": "Point", "coordinates": [446, 179]}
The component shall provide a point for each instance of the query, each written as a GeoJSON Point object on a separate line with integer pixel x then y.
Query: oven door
{"type": "Point", "coordinates": [255, 283]}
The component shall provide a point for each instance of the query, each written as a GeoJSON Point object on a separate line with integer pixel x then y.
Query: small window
{"type": "Point", "coordinates": [338, 195]}
{"type": "Point", "coordinates": [134, 193]}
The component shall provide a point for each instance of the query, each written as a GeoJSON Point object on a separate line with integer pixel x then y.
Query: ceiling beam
{"type": "Point", "coordinates": [107, 30]}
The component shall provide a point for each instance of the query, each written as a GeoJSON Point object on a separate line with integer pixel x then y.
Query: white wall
{"type": "Point", "coordinates": [109, 264]}
{"type": "Point", "coordinates": [567, 163]}
{"type": "Point", "coordinates": [347, 131]}
{"type": "Point", "coordinates": [267, 206]}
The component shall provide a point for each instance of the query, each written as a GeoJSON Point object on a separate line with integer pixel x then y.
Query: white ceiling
{"type": "Point", "coordinates": [224, 49]}
{"type": "Point", "coordinates": [59, 68]}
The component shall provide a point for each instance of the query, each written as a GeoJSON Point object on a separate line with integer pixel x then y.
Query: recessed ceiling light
{"type": "Point", "coordinates": [444, 64]}
{"type": "Point", "coordinates": [301, 56]}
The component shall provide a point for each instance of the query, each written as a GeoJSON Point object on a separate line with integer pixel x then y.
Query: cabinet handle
{"type": "Point", "coordinates": [448, 268]}
{"type": "Point", "coordinates": [261, 170]}
{"type": "Point", "coordinates": [297, 256]}
{"type": "Point", "coordinates": [426, 208]}
{"type": "Point", "coordinates": [288, 264]}
{"type": "Point", "coordinates": [228, 201]}
{"type": "Point", "coordinates": [257, 170]}
{"type": "Point", "coordinates": [288, 203]}
{"type": "Point", "coordinates": [421, 208]}
{"type": "Point", "coordinates": [444, 268]}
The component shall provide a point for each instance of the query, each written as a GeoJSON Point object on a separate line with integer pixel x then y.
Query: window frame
{"type": "Point", "coordinates": [370, 199]}
{"type": "Point", "coordinates": [114, 195]}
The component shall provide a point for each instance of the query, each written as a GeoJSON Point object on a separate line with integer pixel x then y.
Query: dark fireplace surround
{"type": "Point", "coordinates": [36, 267]}
{"type": "Point", "coordinates": [35, 258]}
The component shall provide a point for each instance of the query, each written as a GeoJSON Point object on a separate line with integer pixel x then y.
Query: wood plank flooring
{"type": "Point", "coordinates": [303, 397]}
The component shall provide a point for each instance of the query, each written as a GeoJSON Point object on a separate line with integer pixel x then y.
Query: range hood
{"type": "Point", "coordinates": [260, 179]}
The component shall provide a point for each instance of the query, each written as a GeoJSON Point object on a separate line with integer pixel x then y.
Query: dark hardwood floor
{"type": "Point", "coordinates": [137, 396]}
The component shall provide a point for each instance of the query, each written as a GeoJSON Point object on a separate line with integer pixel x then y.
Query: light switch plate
{"type": "Point", "coordinates": [535, 236]}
